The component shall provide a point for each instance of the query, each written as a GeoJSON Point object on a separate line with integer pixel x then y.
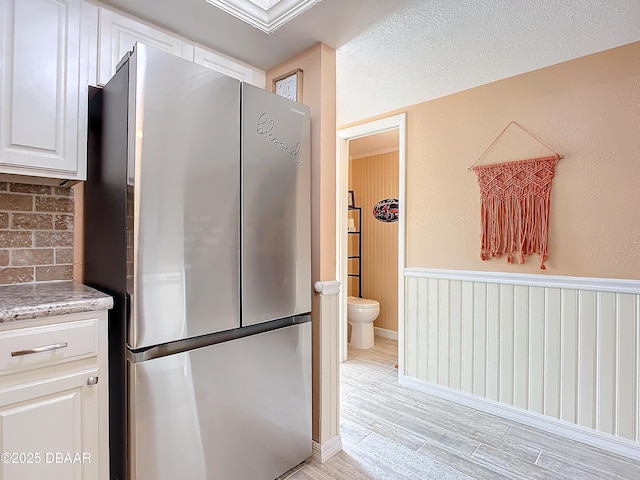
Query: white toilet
{"type": "Point", "coordinates": [361, 313]}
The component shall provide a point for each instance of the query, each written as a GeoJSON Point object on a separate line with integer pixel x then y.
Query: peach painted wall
{"type": "Point", "coordinates": [588, 110]}
{"type": "Point", "coordinates": [319, 93]}
{"type": "Point", "coordinates": [374, 178]}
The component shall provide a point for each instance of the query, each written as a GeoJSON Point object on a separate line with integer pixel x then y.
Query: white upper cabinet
{"type": "Point", "coordinates": [43, 85]}
{"type": "Point", "coordinates": [118, 34]}
{"type": "Point", "coordinates": [232, 68]}
{"type": "Point", "coordinates": [50, 51]}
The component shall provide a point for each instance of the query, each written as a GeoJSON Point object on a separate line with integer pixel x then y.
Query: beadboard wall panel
{"type": "Point", "coordinates": [572, 354]}
{"type": "Point", "coordinates": [374, 178]}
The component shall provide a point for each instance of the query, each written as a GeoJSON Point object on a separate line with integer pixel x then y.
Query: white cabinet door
{"type": "Point", "coordinates": [229, 67]}
{"type": "Point", "coordinates": [49, 428]}
{"type": "Point", "coordinates": [42, 80]}
{"type": "Point", "coordinates": [118, 34]}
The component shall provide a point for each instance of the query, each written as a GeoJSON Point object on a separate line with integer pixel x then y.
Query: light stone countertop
{"type": "Point", "coordinates": [38, 300]}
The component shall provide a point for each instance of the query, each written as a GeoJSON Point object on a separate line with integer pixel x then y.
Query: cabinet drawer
{"type": "Point", "coordinates": [33, 347]}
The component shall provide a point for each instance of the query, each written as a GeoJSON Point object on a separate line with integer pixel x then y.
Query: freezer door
{"type": "Point", "coordinates": [276, 207]}
{"type": "Point", "coordinates": [234, 410]}
{"type": "Point", "coordinates": [183, 222]}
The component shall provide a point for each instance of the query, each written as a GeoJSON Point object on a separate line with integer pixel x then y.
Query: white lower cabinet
{"type": "Point", "coordinates": [50, 429]}
{"type": "Point", "coordinates": [54, 399]}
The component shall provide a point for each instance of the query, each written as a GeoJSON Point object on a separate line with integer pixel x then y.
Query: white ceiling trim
{"type": "Point", "coordinates": [265, 15]}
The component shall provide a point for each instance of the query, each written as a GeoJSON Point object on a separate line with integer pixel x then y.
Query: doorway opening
{"type": "Point", "coordinates": [368, 144]}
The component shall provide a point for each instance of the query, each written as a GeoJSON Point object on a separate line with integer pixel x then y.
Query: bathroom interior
{"type": "Point", "coordinates": [372, 249]}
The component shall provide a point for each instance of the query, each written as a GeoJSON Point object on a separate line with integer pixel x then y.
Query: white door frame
{"type": "Point", "coordinates": [342, 176]}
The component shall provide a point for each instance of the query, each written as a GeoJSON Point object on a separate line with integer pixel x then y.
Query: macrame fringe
{"type": "Point", "coordinates": [514, 215]}
{"type": "Point", "coordinates": [514, 226]}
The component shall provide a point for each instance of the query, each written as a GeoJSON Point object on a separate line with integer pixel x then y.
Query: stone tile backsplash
{"type": "Point", "coordinates": [36, 233]}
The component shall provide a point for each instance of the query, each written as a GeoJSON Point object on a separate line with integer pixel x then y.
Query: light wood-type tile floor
{"type": "Point", "coordinates": [392, 432]}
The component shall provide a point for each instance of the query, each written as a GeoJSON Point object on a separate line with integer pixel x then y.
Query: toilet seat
{"type": "Point", "coordinates": [362, 303]}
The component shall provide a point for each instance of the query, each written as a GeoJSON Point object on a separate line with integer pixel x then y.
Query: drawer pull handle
{"type": "Point", "coordinates": [46, 348]}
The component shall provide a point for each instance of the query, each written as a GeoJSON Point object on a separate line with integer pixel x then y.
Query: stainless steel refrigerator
{"type": "Point", "coordinates": [197, 221]}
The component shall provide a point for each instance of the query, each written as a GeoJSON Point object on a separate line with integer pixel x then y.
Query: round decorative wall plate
{"type": "Point", "coordinates": [386, 210]}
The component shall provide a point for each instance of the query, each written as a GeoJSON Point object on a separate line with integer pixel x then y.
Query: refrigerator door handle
{"type": "Point", "coordinates": [127, 304]}
{"type": "Point", "coordinates": [130, 324]}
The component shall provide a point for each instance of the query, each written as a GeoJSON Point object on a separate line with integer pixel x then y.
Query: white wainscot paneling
{"type": "Point", "coordinates": [569, 351]}
{"type": "Point", "coordinates": [329, 441]}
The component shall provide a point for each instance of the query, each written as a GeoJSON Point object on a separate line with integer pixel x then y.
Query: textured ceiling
{"type": "Point", "coordinates": [428, 49]}
{"type": "Point", "coordinates": [395, 53]}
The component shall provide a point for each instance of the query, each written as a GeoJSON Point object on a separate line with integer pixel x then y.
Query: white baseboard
{"type": "Point", "coordinates": [322, 453]}
{"type": "Point", "coordinates": [384, 333]}
{"type": "Point", "coordinates": [547, 424]}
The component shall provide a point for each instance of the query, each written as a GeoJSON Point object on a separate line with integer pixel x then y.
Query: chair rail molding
{"type": "Point", "coordinates": [329, 287]}
{"type": "Point", "coordinates": [533, 280]}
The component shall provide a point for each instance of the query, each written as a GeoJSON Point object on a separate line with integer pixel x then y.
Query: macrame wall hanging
{"type": "Point", "coordinates": [514, 214]}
